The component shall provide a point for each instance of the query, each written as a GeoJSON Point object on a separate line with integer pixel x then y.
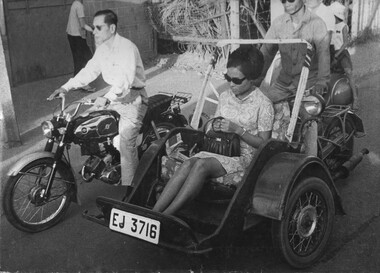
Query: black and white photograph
{"type": "Point", "coordinates": [190, 136]}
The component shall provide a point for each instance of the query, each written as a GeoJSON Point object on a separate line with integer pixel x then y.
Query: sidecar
{"type": "Point", "coordinates": [294, 191]}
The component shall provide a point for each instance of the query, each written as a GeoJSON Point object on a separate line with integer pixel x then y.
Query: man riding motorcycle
{"type": "Point", "coordinates": [119, 62]}
{"type": "Point", "coordinates": [298, 22]}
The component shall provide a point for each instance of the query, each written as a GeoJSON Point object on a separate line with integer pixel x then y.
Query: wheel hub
{"type": "Point", "coordinates": [36, 195]}
{"type": "Point", "coordinates": [307, 221]}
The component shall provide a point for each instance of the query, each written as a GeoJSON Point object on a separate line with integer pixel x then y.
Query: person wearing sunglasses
{"type": "Point", "coordinates": [298, 23]}
{"type": "Point", "coordinates": [118, 60]}
{"type": "Point", "coordinates": [76, 35]}
{"type": "Point", "coordinates": [247, 112]}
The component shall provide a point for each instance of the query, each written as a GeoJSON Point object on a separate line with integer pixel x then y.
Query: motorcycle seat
{"type": "Point", "coordinates": [157, 104]}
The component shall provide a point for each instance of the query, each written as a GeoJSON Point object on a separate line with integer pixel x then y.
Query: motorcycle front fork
{"type": "Point", "coordinates": [57, 157]}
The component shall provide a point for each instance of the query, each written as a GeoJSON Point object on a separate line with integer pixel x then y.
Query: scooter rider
{"type": "Point", "coordinates": [119, 62]}
{"type": "Point", "coordinates": [298, 23]}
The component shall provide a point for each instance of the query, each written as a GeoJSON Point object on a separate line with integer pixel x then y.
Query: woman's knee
{"type": "Point", "coordinates": [208, 167]}
{"type": "Point", "coordinates": [200, 165]}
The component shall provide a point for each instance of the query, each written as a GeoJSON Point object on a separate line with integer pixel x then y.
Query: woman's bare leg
{"type": "Point", "coordinates": [174, 185]}
{"type": "Point", "coordinates": [201, 170]}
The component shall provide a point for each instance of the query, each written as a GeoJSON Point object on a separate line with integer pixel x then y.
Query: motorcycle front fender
{"type": "Point", "coordinates": [17, 167]}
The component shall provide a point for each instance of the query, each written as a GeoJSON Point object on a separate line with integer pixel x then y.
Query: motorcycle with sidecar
{"type": "Point", "coordinates": [295, 192]}
{"type": "Point", "coordinates": [41, 185]}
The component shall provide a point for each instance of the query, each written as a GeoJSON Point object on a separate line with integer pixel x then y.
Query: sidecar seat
{"type": "Point", "coordinates": [281, 120]}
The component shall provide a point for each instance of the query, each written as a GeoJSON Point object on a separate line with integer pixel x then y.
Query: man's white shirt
{"type": "Point", "coordinates": [121, 67]}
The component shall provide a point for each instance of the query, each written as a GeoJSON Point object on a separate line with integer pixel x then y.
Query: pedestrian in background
{"type": "Point", "coordinates": [342, 57]}
{"type": "Point", "coordinates": [325, 13]}
{"type": "Point", "coordinates": [76, 34]}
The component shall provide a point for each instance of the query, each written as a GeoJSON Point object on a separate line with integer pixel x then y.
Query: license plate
{"type": "Point", "coordinates": [135, 225]}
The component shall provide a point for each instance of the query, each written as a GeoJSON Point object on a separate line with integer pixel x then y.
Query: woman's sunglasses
{"type": "Point", "coordinates": [236, 81]}
{"type": "Point", "coordinates": [290, 1]}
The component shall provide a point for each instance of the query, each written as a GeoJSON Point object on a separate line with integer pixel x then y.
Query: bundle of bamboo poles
{"type": "Point", "coordinates": [203, 19]}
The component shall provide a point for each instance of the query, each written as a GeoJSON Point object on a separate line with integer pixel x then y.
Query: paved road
{"type": "Point", "coordinates": [79, 245]}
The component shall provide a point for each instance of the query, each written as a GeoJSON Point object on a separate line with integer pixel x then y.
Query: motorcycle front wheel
{"type": "Point", "coordinates": [23, 204]}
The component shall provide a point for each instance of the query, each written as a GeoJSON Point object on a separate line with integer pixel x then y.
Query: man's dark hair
{"type": "Point", "coordinates": [249, 60]}
{"type": "Point", "coordinates": [109, 16]}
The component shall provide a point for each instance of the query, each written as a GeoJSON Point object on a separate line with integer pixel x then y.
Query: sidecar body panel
{"type": "Point", "coordinates": [204, 224]}
{"type": "Point", "coordinates": [279, 177]}
{"type": "Point", "coordinates": [173, 232]}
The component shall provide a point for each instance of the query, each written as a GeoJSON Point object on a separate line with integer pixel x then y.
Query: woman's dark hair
{"type": "Point", "coordinates": [109, 16]}
{"type": "Point", "coordinates": [249, 60]}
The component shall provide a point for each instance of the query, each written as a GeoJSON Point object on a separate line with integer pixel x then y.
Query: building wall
{"type": "Point", "coordinates": [362, 11]}
{"type": "Point", "coordinates": [37, 41]}
{"type": "Point", "coordinates": [133, 23]}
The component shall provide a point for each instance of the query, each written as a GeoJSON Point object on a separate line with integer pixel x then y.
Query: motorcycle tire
{"type": "Point", "coordinates": [22, 204]}
{"type": "Point", "coordinates": [302, 235]}
{"type": "Point", "coordinates": [150, 136]}
{"type": "Point", "coordinates": [334, 130]}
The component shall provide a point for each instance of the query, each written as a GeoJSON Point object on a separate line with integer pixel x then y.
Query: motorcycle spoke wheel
{"type": "Point", "coordinates": [302, 236]}
{"type": "Point", "coordinates": [307, 223]}
{"type": "Point", "coordinates": [23, 201]}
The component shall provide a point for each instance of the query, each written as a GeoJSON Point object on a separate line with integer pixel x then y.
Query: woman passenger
{"type": "Point", "coordinates": [246, 112]}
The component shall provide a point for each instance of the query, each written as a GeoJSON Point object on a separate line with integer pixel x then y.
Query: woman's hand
{"type": "Point", "coordinates": [227, 126]}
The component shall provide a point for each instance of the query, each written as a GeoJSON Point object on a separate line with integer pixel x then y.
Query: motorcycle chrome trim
{"type": "Point", "coordinates": [47, 128]}
{"type": "Point", "coordinates": [36, 175]}
{"type": "Point", "coordinates": [313, 104]}
{"type": "Point", "coordinates": [16, 168]}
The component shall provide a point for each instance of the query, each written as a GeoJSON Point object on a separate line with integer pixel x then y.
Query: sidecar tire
{"type": "Point", "coordinates": [306, 224]}
{"type": "Point", "coordinates": [10, 188]}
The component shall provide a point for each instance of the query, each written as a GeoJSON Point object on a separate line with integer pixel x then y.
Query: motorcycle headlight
{"type": "Point", "coordinates": [313, 104]}
{"type": "Point", "coordinates": [47, 129]}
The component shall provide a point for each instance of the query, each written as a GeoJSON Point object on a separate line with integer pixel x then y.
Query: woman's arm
{"type": "Point", "coordinates": [231, 127]}
{"type": "Point", "coordinates": [254, 140]}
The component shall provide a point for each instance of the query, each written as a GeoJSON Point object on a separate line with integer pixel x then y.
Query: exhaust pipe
{"type": "Point", "coordinates": [344, 170]}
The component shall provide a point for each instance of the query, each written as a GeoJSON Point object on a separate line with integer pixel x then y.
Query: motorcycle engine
{"type": "Point", "coordinates": [102, 169]}
{"type": "Point", "coordinates": [103, 165]}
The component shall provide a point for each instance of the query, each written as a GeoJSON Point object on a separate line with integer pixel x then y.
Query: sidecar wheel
{"type": "Point", "coordinates": [302, 235]}
{"type": "Point", "coordinates": [22, 203]}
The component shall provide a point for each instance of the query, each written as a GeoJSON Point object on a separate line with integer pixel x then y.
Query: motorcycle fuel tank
{"type": "Point", "coordinates": [340, 92]}
{"type": "Point", "coordinates": [98, 124]}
